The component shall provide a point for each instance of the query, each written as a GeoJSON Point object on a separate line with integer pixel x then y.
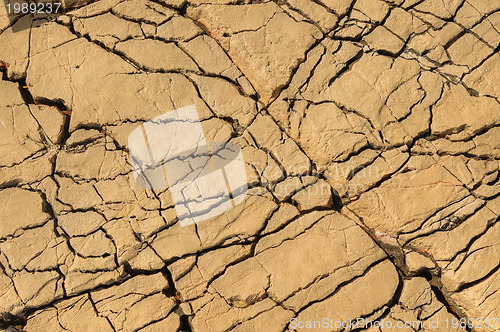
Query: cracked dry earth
{"type": "Point", "coordinates": [370, 131]}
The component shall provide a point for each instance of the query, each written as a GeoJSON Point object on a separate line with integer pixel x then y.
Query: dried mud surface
{"type": "Point", "coordinates": [371, 135]}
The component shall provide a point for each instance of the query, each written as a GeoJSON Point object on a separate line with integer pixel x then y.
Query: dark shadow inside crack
{"type": "Point", "coordinates": [170, 290]}
{"type": "Point", "coordinates": [185, 325]}
{"type": "Point", "coordinates": [9, 320]}
{"type": "Point", "coordinates": [337, 201]}
{"type": "Point", "coordinates": [449, 305]}
{"type": "Point", "coordinates": [4, 72]}
{"type": "Point", "coordinates": [10, 184]}
{"type": "Point", "coordinates": [63, 109]}
{"type": "Point", "coordinates": [25, 92]}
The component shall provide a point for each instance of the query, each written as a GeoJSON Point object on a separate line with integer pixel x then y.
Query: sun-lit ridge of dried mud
{"type": "Point", "coordinates": [370, 131]}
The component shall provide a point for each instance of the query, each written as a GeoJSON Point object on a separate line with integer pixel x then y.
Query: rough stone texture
{"type": "Point", "coordinates": [370, 131]}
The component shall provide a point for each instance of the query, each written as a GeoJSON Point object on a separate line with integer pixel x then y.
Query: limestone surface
{"type": "Point", "coordinates": [370, 134]}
